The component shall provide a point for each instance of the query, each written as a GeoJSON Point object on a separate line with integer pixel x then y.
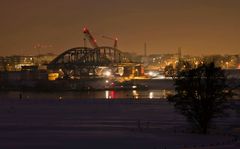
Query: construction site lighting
{"type": "Point", "coordinates": [152, 73]}
{"type": "Point", "coordinates": [107, 73]}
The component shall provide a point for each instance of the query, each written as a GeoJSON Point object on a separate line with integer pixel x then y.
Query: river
{"type": "Point", "coordinates": [103, 94]}
{"type": "Point", "coordinates": [134, 94]}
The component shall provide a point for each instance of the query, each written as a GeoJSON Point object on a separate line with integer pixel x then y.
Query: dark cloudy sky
{"type": "Point", "coordinates": [200, 27]}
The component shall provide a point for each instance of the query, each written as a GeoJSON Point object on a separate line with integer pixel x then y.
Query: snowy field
{"type": "Point", "coordinates": [107, 124]}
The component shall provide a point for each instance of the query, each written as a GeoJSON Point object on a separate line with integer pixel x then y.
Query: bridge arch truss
{"type": "Point", "coordinates": [82, 60]}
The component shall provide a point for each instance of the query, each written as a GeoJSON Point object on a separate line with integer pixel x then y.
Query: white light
{"type": "Point", "coordinates": [161, 77]}
{"type": "Point", "coordinates": [151, 95]}
{"type": "Point", "coordinates": [152, 74]}
{"type": "Point", "coordinates": [135, 94]}
{"type": "Point", "coordinates": [107, 73]}
{"type": "Point", "coordinates": [134, 86]}
{"type": "Point", "coordinates": [107, 81]}
{"type": "Point", "coordinates": [107, 94]}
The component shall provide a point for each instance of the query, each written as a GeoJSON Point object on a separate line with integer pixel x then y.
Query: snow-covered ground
{"type": "Point", "coordinates": [99, 123]}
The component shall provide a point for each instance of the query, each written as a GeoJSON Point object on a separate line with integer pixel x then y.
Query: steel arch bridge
{"type": "Point", "coordinates": [82, 59]}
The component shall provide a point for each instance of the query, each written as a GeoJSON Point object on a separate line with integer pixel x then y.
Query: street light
{"type": "Point", "coordinates": [227, 63]}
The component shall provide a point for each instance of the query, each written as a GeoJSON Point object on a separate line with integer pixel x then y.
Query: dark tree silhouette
{"type": "Point", "coordinates": [169, 71]}
{"type": "Point", "coordinates": [201, 95]}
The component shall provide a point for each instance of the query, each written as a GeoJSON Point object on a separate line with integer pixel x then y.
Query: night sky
{"type": "Point", "coordinates": [200, 27]}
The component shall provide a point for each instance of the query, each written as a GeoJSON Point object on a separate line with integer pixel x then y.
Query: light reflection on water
{"type": "Point", "coordinates": [129, 94]}
{"type": "Point", "coordinates": [153, 94]}
{"type": "Point", "coordinates": [133, 94]}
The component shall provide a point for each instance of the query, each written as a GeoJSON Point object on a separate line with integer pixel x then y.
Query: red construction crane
{"type": "Point", "coordinates": [90, 38]}
{"type": "Point", "coordinates": [114, 39]}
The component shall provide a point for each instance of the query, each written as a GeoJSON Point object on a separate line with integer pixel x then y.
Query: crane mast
{"type": "Point", "coordinates": [114, 39]}
{"type": "Point", "coordinates": [90, 38]}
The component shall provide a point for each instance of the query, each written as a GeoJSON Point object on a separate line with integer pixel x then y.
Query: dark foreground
{"type": "Point", "coordinates": [94, 124]}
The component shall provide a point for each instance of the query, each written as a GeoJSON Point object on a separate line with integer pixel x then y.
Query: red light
{"type": "Point", "coordinates": [84, 29]}
{"type": "Point", "coordinates": [112, 93]}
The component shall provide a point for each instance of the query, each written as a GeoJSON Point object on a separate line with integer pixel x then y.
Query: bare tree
{"type": "Point", "coordinates": [201, 95]}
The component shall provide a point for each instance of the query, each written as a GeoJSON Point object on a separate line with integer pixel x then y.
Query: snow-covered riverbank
{"type": "Point", "coordinates": [100, 123]}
